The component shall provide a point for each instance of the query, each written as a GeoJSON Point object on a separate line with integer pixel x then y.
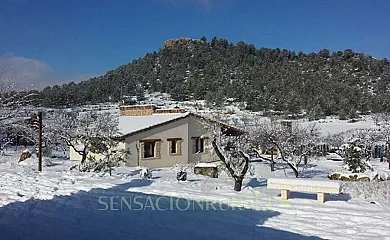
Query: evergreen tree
{"type": "Point", "coordinates": [355, 158]}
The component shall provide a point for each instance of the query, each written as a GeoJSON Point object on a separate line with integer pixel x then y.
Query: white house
{"type": "Point", "coordinates": [165, 137]}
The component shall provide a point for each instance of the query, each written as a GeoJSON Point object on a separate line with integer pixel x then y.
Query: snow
{"type": "Point", "coordinates": [212, 165]}
{"type": "Point", "coordinates": [334, 126]}
{"type": "Point", "coordinates": [305, 182]}
{"type": "Point", "coordinates": [130, 124]}
{"type": "Point", "coordinates": [357, 149]}
{"type": "Point", "coordinates": [334, 156]}
{"type": "Point", "coordinates": [62, 204]}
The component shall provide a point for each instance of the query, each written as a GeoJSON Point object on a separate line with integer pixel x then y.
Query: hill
{"type": "Point", "coordinates": [323, 83]}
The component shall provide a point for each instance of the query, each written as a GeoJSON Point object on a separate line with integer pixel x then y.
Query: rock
{"type": "Point", "coordinates": [180, 41]}
{"type": "Point", "coordinates": [206, 171]}
{"type": "Point", "coordinates": [346, 179]}
{"type": "Point", "coordinates": [334, 176]}
{"type": "Point", "coordinates": [350, 178]}
{"type": "Point", "coordinates": [25, 155]}
{"type": "Point", "coordinates": [363, 179]}
{"type": "Point", "coordinates": [353, 178]}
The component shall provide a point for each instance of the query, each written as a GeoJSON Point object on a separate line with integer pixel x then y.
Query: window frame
{"type": "Point", "coordinates": [156, 148]}
{"type": "Point", "coordinates": [197, 142]}
{"type": "Point", "coordinates": [178, 142]}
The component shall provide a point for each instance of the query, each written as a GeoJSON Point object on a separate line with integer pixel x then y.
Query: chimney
{"type": "Point", "coordinates": [139, 110]}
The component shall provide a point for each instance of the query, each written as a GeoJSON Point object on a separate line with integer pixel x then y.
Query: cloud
{"type": "Point", "coordinates": [25, 72]}
{"type": "Point", "coordinates": [32, 73]}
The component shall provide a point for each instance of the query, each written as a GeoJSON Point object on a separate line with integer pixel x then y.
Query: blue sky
{"type": "Point", "coordinates": [56, 41]}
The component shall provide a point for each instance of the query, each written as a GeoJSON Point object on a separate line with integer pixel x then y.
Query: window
{"type": "Point", "coordinates": [199, 144]}
{"type": "Point", "coordinates": [150, 149]}
{"type": "Point", "coordinates": [174, 146]}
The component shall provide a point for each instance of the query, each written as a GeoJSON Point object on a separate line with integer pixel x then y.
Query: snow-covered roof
{"type": "Point", "coordinates": [132, 124]}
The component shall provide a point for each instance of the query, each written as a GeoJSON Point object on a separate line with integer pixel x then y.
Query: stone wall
{"type": "Point", "coordinates": [145, 110]}
{"type": "Point", "coordinates": [137, 110]}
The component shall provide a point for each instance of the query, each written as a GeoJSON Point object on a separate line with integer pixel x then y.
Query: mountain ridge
{"type": "Point", "coordinates": [324, 83]}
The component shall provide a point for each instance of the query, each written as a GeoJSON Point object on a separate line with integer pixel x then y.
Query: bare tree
{"type": "Point", "coordinates": [229, 144]}
{"type": "Point", "coordinates": [293, 143]}
{"type": "Point", "coordinates": [236, 164]}
{"type": "Point", "coordinates": [13, 102]}
{"type": "Point", "coordinates": [84, 132]}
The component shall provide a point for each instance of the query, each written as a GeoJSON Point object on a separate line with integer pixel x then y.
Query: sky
{"type": "Point", "coordinates": [50, 42]}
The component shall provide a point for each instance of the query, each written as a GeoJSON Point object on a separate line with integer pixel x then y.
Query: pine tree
{"type": "Point", "coordinates": [355, 160]}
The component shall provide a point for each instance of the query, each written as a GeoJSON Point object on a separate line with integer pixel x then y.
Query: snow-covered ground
{"type": "Point", "coordinates": [63, 204]}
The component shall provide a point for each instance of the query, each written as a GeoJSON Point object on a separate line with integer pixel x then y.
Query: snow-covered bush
{"type": "Point", "coordinates": [372, 191]}
{"type": "Point", "coordinates": [145, 173]}
{"type": "Point", "coordinates": [106, 156]}
{"type": "Point", "coordinates": [181, 176]}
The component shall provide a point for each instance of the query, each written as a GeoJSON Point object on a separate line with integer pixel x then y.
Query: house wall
{"type": "Point", "coordinates": [198, 128]}
{"type": "Point", "coordinates": [176, 129]}
{"type": "Point", "coordinates": [185, 129]}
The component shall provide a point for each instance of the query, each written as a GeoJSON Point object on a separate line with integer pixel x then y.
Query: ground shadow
{"type": "Point", "coordinates": [193, 180]}
{"type": "Point", "coordinates": [310, 173]}
{"type": "Point", "coordinates": [313, 196]}
{"type": "Point", "coordinates": [118, 213]}
{"type": "Point", "coordinates": [254, 183]}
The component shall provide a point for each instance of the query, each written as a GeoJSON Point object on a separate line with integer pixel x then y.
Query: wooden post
{"type": "Point", "coordinates": [40, 141]}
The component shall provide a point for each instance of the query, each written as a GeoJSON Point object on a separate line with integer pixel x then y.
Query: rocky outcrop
{"type": "Point", "coordinates": [172, 42]}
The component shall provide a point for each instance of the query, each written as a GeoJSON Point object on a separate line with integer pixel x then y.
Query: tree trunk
{"type": "Point", "coordinates": [84, 155]}
{"type": "Point", "coordinates": [83, 158]}
{"type": "Point", "coordinates": [238, 184]}
{"type": "Point", "coordinates": [109, 164]}
{"type": "Point", "coordinates": [272, 163]}
{"type": "Point", "coordinates": [286, 161]}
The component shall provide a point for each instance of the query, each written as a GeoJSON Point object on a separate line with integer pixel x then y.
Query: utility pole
{"type": "Point", "coordinates": [40, 141]}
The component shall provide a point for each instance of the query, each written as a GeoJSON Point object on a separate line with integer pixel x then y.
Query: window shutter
{"type": "Point", "coordinates": [169, 147]}
{"type": "Point", "coordinates": [194, 145]}
{"type": "Point", "coordinates": [206, 145]}
{"type": "Point", "coordinates": [178, 146]}
{"type": "Point", "coordinates": [158, 149]}
{"type": "Point", "coordinates": [141, 149]}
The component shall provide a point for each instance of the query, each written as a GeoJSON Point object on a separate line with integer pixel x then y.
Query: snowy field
{"type": "Point", "coordinates": [63, 204]}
